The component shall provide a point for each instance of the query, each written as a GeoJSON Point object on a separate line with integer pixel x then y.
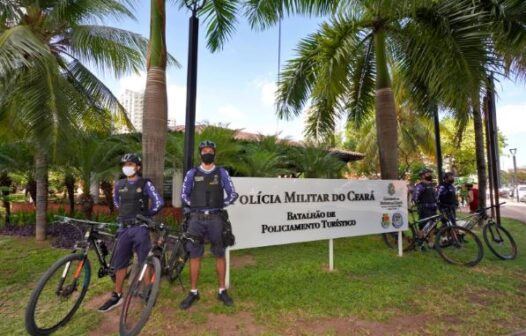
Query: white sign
{"type": "Point", "coordinates": [274, 211]}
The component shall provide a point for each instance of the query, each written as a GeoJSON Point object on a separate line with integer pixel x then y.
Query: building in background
{"type": "Point", "coordinates": [133, 103]}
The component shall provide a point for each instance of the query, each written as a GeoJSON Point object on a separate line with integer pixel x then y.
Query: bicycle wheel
{"type": "Point", "coordinates": [58, 294]}
{"type": "Point", "coordinates": [408, 239]}
{"type": "Point", "coordinates": [458, 245]}
{"type": "Point", "coordinates": [141, 296]}
{"type": "Point", "coordinates": [177, 261]}
{"type": "Point", "coordinates": [499, 241]}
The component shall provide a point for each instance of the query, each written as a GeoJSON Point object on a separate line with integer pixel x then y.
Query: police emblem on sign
{"type": "Point", "coordinates": [391, 189]}
{"type": "Point", "coordinates": [397, 220]}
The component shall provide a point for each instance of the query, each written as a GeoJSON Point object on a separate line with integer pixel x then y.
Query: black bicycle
{"type": "Point", "coordinates": [60, 291]}
{"type": "Point", "coordinates": [499, 240]}
{"type": "Point", "coordinates": [455, 244]}
{"type": "Point", "coordinates": [166, 258]}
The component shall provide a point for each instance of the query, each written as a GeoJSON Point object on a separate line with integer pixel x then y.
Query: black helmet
{"type": "Point", "coordinates": [449, 174]}
{"type": "Point", "coordinates": [425, 171]}
{"type": "Point", "coordinates": [131, 157]}
{"type": "Point", "coordinates": [207, 143]}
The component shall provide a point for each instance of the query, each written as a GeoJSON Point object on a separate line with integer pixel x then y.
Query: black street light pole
{"type": "Point", "coordinates": [438, 146]}
{"type": "Point", "coordinates": [191, 83]}
{"type": "Point", "coordinates": [493, 147]}
{"type": "Point", "coordinates": [513, 151]}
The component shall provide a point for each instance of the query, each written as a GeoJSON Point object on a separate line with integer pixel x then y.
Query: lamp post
{"type": "Point", "coordinates": [513, 152]}
{"type": "Point", "coordinates": [191, 82]}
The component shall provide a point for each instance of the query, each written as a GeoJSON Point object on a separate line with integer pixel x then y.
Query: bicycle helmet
{"type": "Point", "coordinates": [425, 171]}
{"type": "Point", "coordinates": [131, 157]}
{"type": "Point", "coordinates": [449, 174]}
{"type": "Point", "coordinates": [207, 143]}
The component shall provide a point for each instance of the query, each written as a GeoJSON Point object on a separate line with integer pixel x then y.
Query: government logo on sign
{"type": "Point", "coordinates": [397, 220]}
{"type": "Point", "coordinates": [391, 189]}
{"type": "Point", "coordinates": [385, 220]}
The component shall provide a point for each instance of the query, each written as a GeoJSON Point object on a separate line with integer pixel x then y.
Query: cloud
{"type": "Point", "coordinates": [509, 119]}
{"type": "Point", "coordinates": [235, 117]}
{"type": "Point", "coordinates": [268, 93]}
{"type": "Point", "coordinates": [267, 90]}
{"type": "Point", "coordinates": [135, 82]}
{"type": "Point", "coordinates": [177, 103]}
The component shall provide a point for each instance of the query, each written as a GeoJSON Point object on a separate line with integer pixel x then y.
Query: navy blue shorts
{"type": "Point", "coordinates": [130, 239]}
{"type": "Point", "coordinates": [210, 228]}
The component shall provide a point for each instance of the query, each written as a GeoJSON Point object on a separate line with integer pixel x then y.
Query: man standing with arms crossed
{"type": "Point", "coordinates": [203, 192]}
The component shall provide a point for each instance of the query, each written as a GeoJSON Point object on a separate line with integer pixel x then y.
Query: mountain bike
{"type": "Point", "coordinates": [60, 291]}
{"type": "Point", "coordinates": [499, 240]}
{"type": "Point", "coordinates": [455, 244]}
{"type": "Point", "coordinates": [166, 258]}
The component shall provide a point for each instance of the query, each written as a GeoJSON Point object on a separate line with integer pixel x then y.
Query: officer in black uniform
{"type": "Point", "coordinates": [447, 197]}
{"type": "Point", "coordinates": [132, 195]}
{"type": "Point", "coordinates": [204, 190]}
{"type": "Point", "coordinates": [425, 196]}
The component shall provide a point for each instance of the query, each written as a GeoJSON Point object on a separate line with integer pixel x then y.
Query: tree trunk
{"type": "Point", "coordinates": [70, 186]}
{"type": "Point", "coordinates": [86, 204]}
{"type": "Point", "coordinates": [155, 101]}
{"type": "Point", "coordinates": [5, 183]}
{"type": "Point", "coordinates": [94, 187]}
{"type": "Point", "coordinates": [41, 177]}
{"type": "Point", "coordinates": [31, 188]}
{"type": "Point", "coordinates": [107, 189]}
{"type": "Point", "coordinates": [386, 119]}
{"type": "Point", "coordinates": [479, 148]}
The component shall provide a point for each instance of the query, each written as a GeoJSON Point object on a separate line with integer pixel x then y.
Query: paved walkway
{"type": "Point", "coordinates": [514, 210]}
{"type": "Point", "coordinates": [511, 209]}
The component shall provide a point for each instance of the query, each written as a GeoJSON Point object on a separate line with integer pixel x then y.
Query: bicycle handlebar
{"type": "Point", "coordinates": [492, 206]}
{"type": "Point", "coordinates": [84, 221]}
{"type": "Point", "coordinates": [151, 224]}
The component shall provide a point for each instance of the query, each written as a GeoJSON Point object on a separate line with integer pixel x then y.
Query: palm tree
{"type": "Point", "coordinates": [155, 101]}
{"type": "Point", "coordinates": [415, 142]}
{"type": "Point", "coordinates": [345, 68]}
{"type": "Point", "coordinates": [46, 86]}
{"type": "Point", "coordinates": [315, 162]}
{"type": "Point", "coordinates": [264, 156]}
{"type": "Point", "coordinates": [94, 155]}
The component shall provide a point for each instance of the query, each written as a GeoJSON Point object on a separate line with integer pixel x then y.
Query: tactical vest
{"type": "Point", "coordinates": [207, 192]}
{"type": "Point", "coordinates": [428, 195]}
{"type": "Point", "coordinates": [449, 197]}
{"type": "Point", "coordinates": [132, 198]}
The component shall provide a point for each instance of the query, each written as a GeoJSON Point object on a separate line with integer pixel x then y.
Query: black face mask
{"type": "Point", "coordinates": [208, 158]}
{"type": "Point", "coordinates": [428, 178]}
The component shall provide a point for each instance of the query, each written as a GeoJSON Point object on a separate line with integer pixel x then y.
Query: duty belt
{"type": "Point", "coordinates": [131, 222]}
{"type": "Point", "coordinates": [205, 214]}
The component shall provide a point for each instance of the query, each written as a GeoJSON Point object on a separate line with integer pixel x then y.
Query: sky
{"type": "Point", "coordinates": [236, 86]}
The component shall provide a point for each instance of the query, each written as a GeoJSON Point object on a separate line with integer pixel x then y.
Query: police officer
{"type": "Point", "coordinates": [203, 191]}
{"type": "Point", "coordinates": [447, 197]}
{"type": "Point", "coordinates": [425, 196]}
{"type": "Point", "coordinates": [133, 195]}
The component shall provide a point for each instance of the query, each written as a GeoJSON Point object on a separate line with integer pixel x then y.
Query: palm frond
{"type": "Point", "coordinates": [20, 47]}
{"type": "Point", "coordinates": [107, 48]}
{"type": "Point", "coordinates": [221, 18]}
{"type": "Point", "coordinates": [262, 14]}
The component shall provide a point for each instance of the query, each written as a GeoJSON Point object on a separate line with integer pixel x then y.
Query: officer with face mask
{"type": "Point", "coordinates": [447, 197]}
{"type": "Point", "coordinates": [132, 196]}
{"type": "Point", "coordinates": [204, 190]}
{"type": "Point", "coordinates": [425, 196]}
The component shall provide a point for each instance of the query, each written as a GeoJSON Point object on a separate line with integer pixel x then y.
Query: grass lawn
{"type": "Point", "coordinates": [287, 290]}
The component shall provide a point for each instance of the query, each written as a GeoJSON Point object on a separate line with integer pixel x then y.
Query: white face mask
{"type": "Point", "coordinates": [128, 171]}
